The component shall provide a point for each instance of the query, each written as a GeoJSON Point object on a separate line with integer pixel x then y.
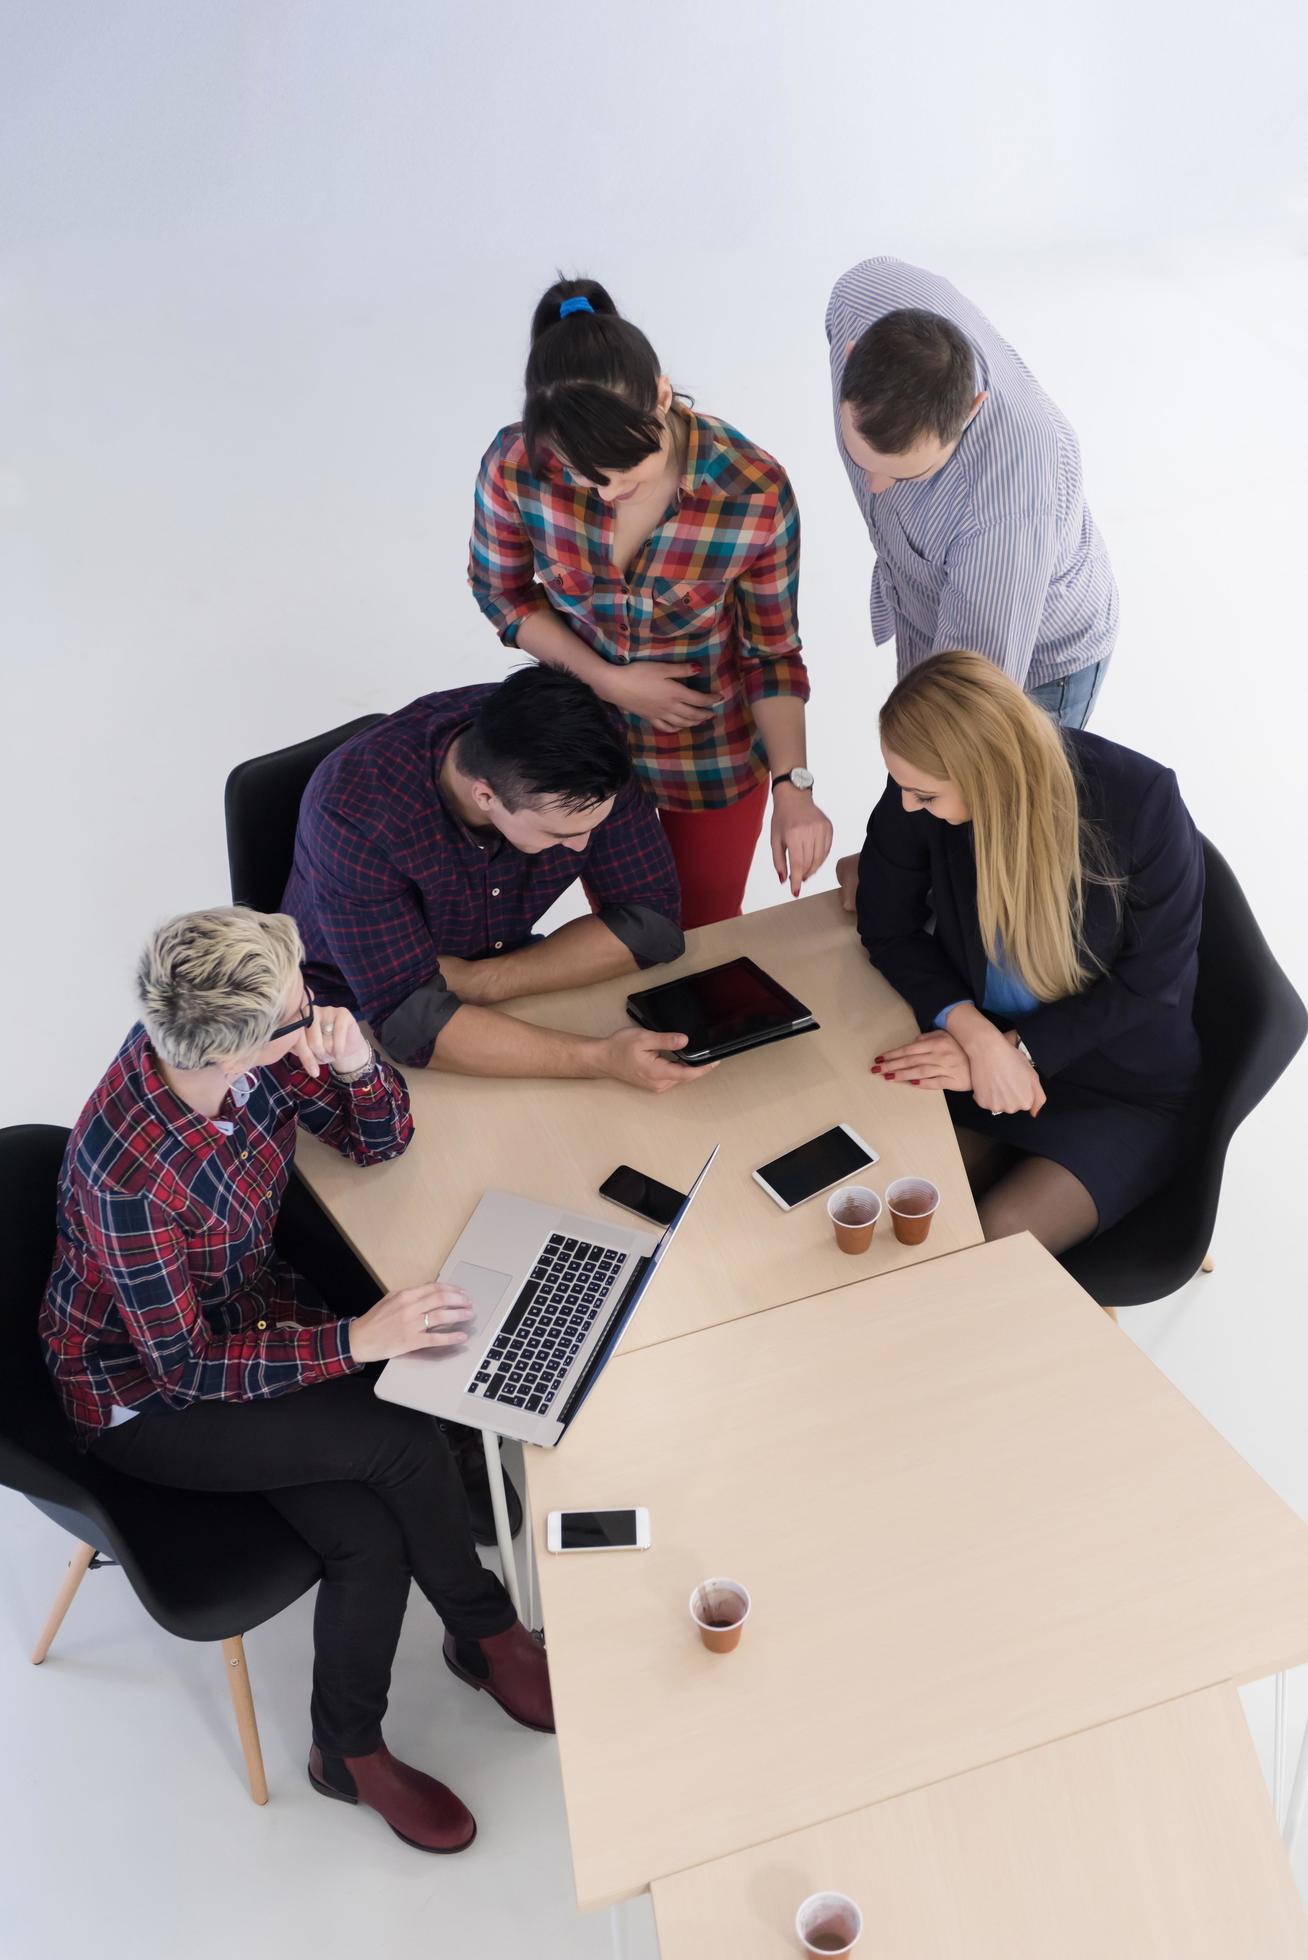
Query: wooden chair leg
{"type": "Point", "coordinates": [1111, 1312]}
{"type": "Point", "coordinates": [78, 1567]}
{"type": "Point", "coordinates": [238, 1680]}
{"type": "Point", "coordinates": [1207, 1266]}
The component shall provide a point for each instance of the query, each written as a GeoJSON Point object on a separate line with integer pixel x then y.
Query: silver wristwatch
{"type": "Point", "coordinates": [1024, 1052]}
{"type": "Point", "coordinates": [801, 778]}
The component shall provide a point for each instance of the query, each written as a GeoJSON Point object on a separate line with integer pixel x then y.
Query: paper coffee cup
{"type": "Point", "coordinates": [829, 1923]}
{"type": "Point", "coordinates": [854, 1211]}
{"type": "Point", "coordinates": [912, 1203]}
{"type": "Point", "coordinates": [720, 1608]}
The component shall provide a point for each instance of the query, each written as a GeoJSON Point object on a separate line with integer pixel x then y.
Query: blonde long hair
{"type": "Point", "coordinates": [956, 716]}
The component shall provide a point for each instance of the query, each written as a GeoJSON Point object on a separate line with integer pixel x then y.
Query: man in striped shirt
{"type": "Point", "coordinates": [969, 479]}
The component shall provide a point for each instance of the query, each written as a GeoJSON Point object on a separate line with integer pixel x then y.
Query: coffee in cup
{"type": "Point", "coordinates": [828, 1922]}
{"type": "Point", "coordinates": [720, 1608]}
{"type": "Point", "coordinates": [912, 1203]}
{"type": "Point", "coordinates": [854, 1211]}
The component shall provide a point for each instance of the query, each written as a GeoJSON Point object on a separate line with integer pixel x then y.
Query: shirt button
{"type": "Point", "coordinates": [261, 1324]}
{"type": "Point", "coordinates": [244, 1155]}
{"type": "Point", "coordinates": [499, 943]}
{"type": "Point", "coordinates": [495, 891]}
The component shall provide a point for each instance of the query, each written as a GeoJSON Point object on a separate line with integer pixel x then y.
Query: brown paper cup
{"type": "Point", "coordinates": [912, 1203]}
{"type": "Point", "coordinates": [720, 1608]}
{"type": "Point", "coordinates": [854, 1211]}
{"type": "Point", "coordinates": [828, 1922]}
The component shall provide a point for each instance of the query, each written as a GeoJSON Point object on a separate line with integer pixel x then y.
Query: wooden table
{"type": "Point", "coordinates": [974, 1518]}
{"type": "Point", "coordinates": [558, 1141]}
{"type": "Point", "coordinates": [1149, 1838]}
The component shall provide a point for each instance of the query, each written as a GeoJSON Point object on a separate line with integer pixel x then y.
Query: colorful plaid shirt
{"type": "Point", "coordinates": [165, 1288]}
{"type": "Point", "coordinates": [715, 583]}
{"type": "Point", "coordinates": [386, 878]}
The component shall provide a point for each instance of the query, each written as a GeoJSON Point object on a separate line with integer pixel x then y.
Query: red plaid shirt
{"type": "Point", "coordinates": [715, 583]}
{"type": "Point", "coordinates": [165, 1288]}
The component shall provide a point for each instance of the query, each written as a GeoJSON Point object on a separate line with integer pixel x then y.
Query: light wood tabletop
{"type": "Point", "coordinates": [974, 1518]}
{"type": "Point", "coordinates": [1150, 1838]}
{"type": "Point", "coordinates": [558, 1141]}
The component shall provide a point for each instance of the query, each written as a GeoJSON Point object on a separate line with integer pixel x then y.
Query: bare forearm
{"type": "Point", "coordinates": [481, 1041]}
{"type": "Point", "coordinates": [780, 719]}
{"type": "Point", "coordinates": [576, 955]}
{"type": "Point", "coordinates": [545, 637]}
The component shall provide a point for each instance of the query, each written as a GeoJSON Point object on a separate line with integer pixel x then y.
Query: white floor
{"type": "Point", "coordinates": [265, 319]}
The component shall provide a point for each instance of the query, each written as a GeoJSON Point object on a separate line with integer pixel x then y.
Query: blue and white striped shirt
{"type": "Point", "coordinates": [997, 552]}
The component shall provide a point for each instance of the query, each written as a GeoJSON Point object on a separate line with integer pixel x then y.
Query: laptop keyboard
{"type": "Point", "coordinates": [539, 1338]}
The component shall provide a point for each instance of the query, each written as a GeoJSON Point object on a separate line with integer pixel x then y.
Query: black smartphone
{"type": "Point", "coordinates": [643, 1195]}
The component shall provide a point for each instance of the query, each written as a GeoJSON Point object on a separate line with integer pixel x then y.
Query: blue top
{"type": "Point", "coordinates": [1006, 993]}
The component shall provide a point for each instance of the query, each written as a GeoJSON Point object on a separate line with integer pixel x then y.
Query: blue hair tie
{"type": "Point", "coordinates": [578, 305]}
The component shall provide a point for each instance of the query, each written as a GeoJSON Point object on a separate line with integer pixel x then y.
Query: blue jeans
{"type": "Point", "coordinates": [1071, 700]}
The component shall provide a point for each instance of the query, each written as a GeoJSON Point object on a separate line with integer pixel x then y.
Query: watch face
{"type": "Point", "coordinates": [802, 778]}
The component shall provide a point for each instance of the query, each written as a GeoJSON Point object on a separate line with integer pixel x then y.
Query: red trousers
{"type": "Point", "coordinates": [713, 850]}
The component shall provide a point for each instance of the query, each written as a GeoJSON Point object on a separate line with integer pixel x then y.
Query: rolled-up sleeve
{"type": "Point", "coordinates": [410, 1029]}
{"type": "Point", "coordinates": [767, 601]}
{"type": "Point", "coordinates": [630, 874]}
{"type": "Point", "coordinates": [501, 564]}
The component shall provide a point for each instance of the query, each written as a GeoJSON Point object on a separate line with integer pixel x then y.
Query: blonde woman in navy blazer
{"type": "Point", "coordinates": [1055, 992]}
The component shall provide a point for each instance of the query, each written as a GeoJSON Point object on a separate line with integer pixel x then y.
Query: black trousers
{"type": "Point", "coordinates": [373, 1488]}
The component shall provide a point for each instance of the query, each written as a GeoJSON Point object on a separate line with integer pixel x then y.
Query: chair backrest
{"type": "Point", "coordinates": [1250, 1019]}
{"type": "Point", "coordinates": [37, 1452]}
{"type": "Point", "coordinates": [1251, 1022]}
{"type": "Point", "coordinates": [261, 804]}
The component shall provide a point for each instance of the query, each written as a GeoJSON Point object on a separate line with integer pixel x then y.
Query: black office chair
{"type": "Point", "coordinates": [206, 1567]}
{"type": "Point", "coordinates": [261, 804]}
{"type": "Point", "coordinates": [1251, 1023]}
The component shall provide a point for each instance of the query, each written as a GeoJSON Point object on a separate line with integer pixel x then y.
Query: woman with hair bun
{"type": "Point", "coordinates": [1055, 993]}
{"type": "Point", "coordinates": [654, 552]}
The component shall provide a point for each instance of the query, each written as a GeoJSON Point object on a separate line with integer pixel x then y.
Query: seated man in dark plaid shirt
{"type": "Point", "coordinates": [429, 846]}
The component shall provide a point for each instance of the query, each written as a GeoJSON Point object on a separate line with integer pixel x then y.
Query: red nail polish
{"type": "Point", "coordinates": [890, 1075]}
{"type": "Point", "coordinates": [874, 1070]}
{"type": "Point", "coordinates": [914, 1082]}
{"type": "Point", "coordinates": [878, 1058]}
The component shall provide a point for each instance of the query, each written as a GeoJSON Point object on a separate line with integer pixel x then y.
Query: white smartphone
{"type": "Point", "coordinates": [833, 1158]}
{"type": "Point", "coordinates": [597, 1531]}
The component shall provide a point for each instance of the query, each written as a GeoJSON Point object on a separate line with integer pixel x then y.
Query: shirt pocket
{"type": "Point", "coordinates": [570, 588]}
{"type": "Point", "coordinates": [688, 609]}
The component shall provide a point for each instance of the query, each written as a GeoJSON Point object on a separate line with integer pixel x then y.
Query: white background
{"type": "Point", "coordinates": [265, 279]}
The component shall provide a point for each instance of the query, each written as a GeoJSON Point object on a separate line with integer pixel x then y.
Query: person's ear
{"type": "Point", "coordinates": [664, 396]}
{"type": "Point", "coordinates": [482, 794]}
{"type": "Point", "coordinates": [849, 348]}
{"type": "Point", "coordinates": [976, 405]}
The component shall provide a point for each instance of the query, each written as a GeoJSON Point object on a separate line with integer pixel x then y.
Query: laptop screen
{"type": "Point", "coordinates": [605, 1351]}
{"type": "Point", "coordinates": [719, 1007]}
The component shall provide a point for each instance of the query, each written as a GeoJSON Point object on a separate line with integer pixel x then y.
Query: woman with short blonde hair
{"type": "Point", "coordinates": [187, 1352]}
{"type": "Point", "coordinates": [1055, 992]}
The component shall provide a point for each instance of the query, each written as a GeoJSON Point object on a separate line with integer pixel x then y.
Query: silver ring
{"type": "Point", "coordinates": [327, 1026]}
{"type": "Point", "coordinates": [996, 1112]}
{"type": "Point", "coordinates": [426, 1323]}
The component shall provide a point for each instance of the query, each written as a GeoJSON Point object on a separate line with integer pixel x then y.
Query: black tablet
{"type": "Point", "coordinates": [724, 1010]}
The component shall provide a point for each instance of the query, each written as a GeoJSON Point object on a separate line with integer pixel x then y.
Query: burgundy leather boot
{"type": "Point", "coordinates": [418, 1808]}
{"type": "Point", "coordinates": [512, 1669]}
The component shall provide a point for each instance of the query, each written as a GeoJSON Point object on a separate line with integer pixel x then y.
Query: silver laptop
{"type": "Point", "coordinates": [554, 1293]}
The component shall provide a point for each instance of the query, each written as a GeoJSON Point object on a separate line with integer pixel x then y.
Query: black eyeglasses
{"type": "Point", "coordinates": [305, 1020]}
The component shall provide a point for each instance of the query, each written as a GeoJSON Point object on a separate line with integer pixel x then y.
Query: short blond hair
{"type": "Point", "coordinates": [212, 984]}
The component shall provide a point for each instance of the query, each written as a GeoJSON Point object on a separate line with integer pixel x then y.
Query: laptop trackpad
{"type": "Point", "coordinates": [484, 1288]}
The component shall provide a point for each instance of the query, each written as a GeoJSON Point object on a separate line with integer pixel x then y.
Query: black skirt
{"type": "Point", "coordinates": [1122, 1143]}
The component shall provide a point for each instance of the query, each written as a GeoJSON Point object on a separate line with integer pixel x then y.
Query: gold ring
{"type": "Point", "coordinates": [426, 1323]}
